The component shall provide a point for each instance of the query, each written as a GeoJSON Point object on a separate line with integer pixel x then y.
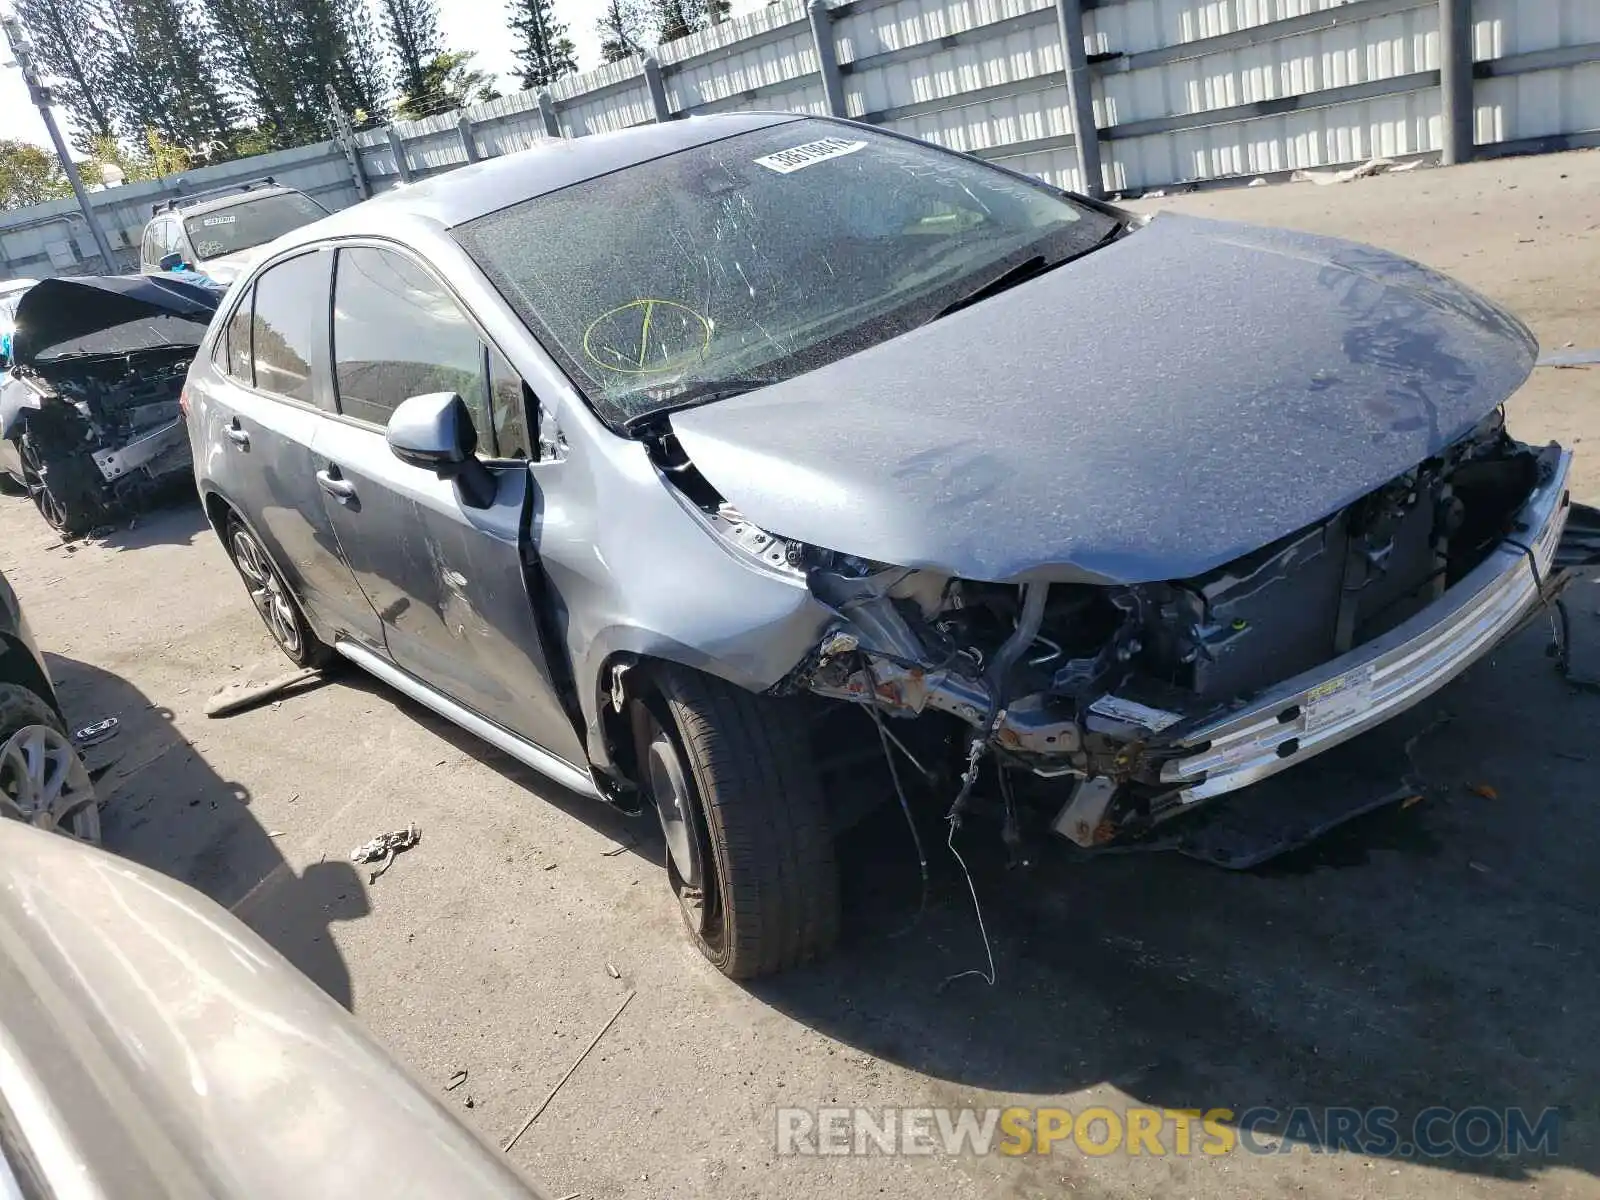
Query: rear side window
{"type": "Point", "coordinates": [397, 334]}
{"type": "Point", "coordinates": [236, 341]}
{"type": "Point", "coordinates": [290, 315]}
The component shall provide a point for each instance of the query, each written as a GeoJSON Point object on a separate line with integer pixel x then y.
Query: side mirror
{"type": "Point", "coordinates": [435, 432]}
{"type": "Point", "coordinates": [171, 262]}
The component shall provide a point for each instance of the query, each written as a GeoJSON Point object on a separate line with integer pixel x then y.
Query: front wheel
{"type": "Point", "coordinates": [750, 851]}
{"type": "Point", "coordinates": [279, 611]}
{"type": "Point", "coordinates": [61, 494]}
{"type": "Point", "coordinates": [42, 779]}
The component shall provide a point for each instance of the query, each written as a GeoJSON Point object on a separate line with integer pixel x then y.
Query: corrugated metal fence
{"type": "Point", "coordinates": [1179, 90]}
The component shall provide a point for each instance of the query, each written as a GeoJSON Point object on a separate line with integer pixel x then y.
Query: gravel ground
{"type": "Point", "coordinates": [1442, 954]}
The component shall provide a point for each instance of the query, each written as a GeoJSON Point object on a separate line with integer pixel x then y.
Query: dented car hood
{"type": "Point", "coordinates": [1179, 398]}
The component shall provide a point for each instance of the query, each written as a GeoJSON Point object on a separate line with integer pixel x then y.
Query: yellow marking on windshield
{"type": "Point", "coordinates": [669, 334]}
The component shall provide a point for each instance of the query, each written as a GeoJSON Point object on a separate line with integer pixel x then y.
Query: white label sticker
{"type": "Point", "coordinates": [1342, 697]}
{"type": "Point", "coordinates": [1134, 713]}
{"type": "Point", "coordinates": [227, 220]}
{"type": "Point", "coordinates": [786, 162]}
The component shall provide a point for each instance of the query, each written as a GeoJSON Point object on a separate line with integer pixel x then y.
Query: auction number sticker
{"type": "Point", "coordinates": [1342, 697]}
{"type": "Point", "coordinates": [786, 162]}
{"type": "Point", "coordinates": [229, 219]}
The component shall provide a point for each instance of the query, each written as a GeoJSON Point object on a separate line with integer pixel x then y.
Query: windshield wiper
{"type": "Point", "coordinates": [691, 393]}
{"type": "Point", "coordinates": [1024, 271]}
{"type": "Point", "coordinates": [1009, 278]}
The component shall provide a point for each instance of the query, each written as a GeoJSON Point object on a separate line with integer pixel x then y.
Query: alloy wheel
{"type": "Point", "coordinates": [267, 592]}
{"type": "Point", "coordinates": [50, 508]}
{"type": "Point", "coordinates": [689, 867]}
{"type": "Point", "coordinates": [44, 782]}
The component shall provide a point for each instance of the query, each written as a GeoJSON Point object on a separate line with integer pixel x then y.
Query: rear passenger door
{"type": "Point", "coordinates": [261, 426]}
{"type": "Point", "coordinates": [455, 587]}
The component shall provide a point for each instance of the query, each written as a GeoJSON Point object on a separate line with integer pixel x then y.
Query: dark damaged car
{"type": "Point", "coordinates": [89, 414]}
{"type": "Point", "coordinates": [696, 464]}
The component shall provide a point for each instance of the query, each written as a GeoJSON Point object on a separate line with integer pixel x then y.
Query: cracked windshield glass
{"type": "Point", "coordinates": [755, 258]}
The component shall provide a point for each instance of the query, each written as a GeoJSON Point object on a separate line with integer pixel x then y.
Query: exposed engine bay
{"type": "Point", "coordinates": [106, 427]}
{"type": "Point", "coordinates": [90, 416]}
{"type": "Point", "coordinates": [1082, 694]}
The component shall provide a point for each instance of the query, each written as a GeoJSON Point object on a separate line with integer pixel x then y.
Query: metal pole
{"type": "Point", "coordinates": [657, 84]}
{"type": "Point", "coordinates": [1080, 95]}
{"type": "Point", "coordinates": [40, 95]}
{"type": "Point", "coordinates": [347, 141]}
{"type": "Point", "coordinates": [1455, 81]}
{"type": "Point", "coordinates": [827, 56]}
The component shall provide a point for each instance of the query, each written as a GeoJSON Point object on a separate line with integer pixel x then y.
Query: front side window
{"type": "Point", "coordinates": [396, 334]}
{"type": "Point", "coordinates": [761, 256]}
{"type": "Point", "coordinates": [290, 315]}
{"type": "Point", "coordinates": [249, 223]}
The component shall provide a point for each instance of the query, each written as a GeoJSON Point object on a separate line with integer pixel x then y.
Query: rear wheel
{"type": "Point", "coordinates": [42, 779]}
{"type": "Point", "coordinates": [279, 610]}
{"type": "Point", "coordinates": [750, 852]}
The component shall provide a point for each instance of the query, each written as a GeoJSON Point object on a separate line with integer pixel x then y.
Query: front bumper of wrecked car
{"type": "Point", "coordinates": [1346, 696]}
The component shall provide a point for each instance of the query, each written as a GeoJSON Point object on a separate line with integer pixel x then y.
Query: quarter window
{"type": "Point", "coordinates": [289, 317]}
{"type": "Point", "coordinates": [397, 334]}
{"type": "Point", "coordinates": [236, 341]}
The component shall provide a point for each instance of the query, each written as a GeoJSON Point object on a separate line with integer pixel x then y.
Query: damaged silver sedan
{"type": "Point", "coordinates": [840, 442]}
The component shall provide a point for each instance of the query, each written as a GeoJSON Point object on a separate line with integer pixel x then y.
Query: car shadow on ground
{"type": "Point", "coordinates": [171, 516]}
{"type": "Point", "coordinates": [1443, 954]}
{"type": "Point", "coordinates": [165, 808]}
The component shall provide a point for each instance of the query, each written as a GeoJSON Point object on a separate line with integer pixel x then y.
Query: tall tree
{"type": "Point", "coordinates": [622, 29]}
{"type": "Point", "coordinates": [544, 51]}
{"type": "Point", "coordinates": [676, 19]}
{"type": "Point", "coordinates": [160, 73]}
{"type": "Point", "coordinates": [413, 30]}
{"type": "Point", "coordinates": [70, 48]}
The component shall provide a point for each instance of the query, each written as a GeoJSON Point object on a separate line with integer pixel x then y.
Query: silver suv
{"type": "Point", "coordinates": [757, 465]}
{"type": "Point", "coordinates": [216, 232]}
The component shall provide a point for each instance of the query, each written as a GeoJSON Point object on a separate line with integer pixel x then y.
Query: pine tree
{"type": "Point", "coordinates": [621, 29]}
{"type": "Point", "coordinates": [413, 33]}
{"type": "Point", "coordinates": [545, 52]}
{"type": "Point", "coordinates": [160, 74]}
{"type": "Point", "coordinates": [676, 19]}
{"type": "Point", "coordinates": [71, 49]}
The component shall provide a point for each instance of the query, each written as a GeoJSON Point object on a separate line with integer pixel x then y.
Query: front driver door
{"type": "Point", "coordinates": [455, 587]}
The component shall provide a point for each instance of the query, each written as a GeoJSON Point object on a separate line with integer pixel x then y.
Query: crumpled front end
{"type": "Point", "coordinates": [1114, 708]}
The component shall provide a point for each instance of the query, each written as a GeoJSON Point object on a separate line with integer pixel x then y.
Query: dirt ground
{"type": "Point", "coordinates": [1444, 954]}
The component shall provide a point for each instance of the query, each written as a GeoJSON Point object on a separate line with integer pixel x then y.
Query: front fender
{"type": "Point", "coordinates": [17, 402]}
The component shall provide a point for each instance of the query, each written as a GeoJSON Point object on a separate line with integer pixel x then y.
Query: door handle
{"type": "Point", "coordinates": [237, 435]}
{"type": "Point", "coordinates": [336, 485]}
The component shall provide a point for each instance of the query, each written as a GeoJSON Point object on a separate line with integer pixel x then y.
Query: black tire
{"type": "Point", "coordinates": [63, 489]}
{"type": "Point", "coordinates": [759, 822]}
{"type": "Point", "coordinates": [276, 605]}
{"type": "Point", "coordinates": [21, 711]}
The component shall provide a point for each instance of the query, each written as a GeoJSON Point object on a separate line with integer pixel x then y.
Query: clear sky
{"type": "Point", "coordinates": [475, 25]}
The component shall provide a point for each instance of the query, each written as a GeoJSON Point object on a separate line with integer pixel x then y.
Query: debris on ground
{"type": "Point", "coordinates": [572, 1070]}
{"type": "Point", "coordinates": [99, 731]}
{"type": "Point", "coordinates": [612, 971]}
{"type": "Point", "coordinates": [384, 847]}
{"type": "Point", "coordinates": [456, 1081]}
{"type": "Point", "coordinates": [1570, 358]}
{"type": "Point", "coordinates": [618, 849]}
{"type": "Point", "coordinates": [235, 697]}
{"type": "Point", "coordinates": [1484, 790]}
{"type": "Point", "coordinates": [1375, 166]}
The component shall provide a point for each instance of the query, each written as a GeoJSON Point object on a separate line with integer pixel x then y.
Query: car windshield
{"type": "Point", "coordinates": [250, 223]}
{"type": "Point", "coordinates": [761, 256]}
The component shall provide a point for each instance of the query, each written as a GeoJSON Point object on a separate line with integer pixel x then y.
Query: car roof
{"type": "Point", "coordinates": [554, 163]}
{"type": "Point", "coordinates": [228, 200]}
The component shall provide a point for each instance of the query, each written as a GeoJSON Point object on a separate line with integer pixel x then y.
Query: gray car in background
{"type": "Point", "coordinates": [697, 463]}
{"type": "Point", "coordinates": [216, 232]}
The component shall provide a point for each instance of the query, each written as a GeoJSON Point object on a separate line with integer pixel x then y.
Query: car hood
{"type": "Point", "coordinates": [228, 267]}
{"type": "Point", "coordinates": [1186, 395]}
{"type": "Point", "coordinates": [57, 312]}
{"type": "Point", "coordinates": [152, 1045]}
